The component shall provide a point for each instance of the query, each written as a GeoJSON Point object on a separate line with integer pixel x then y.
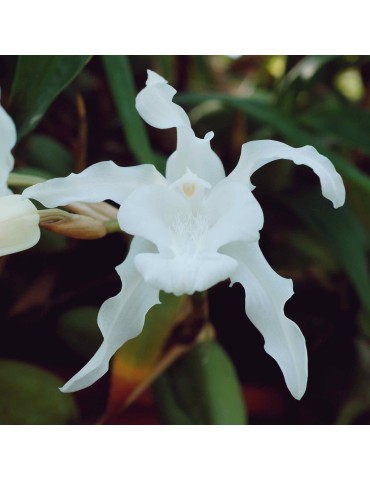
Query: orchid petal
{"type": "Point", "coordinates": [195, 154]}
{"type": "Point", "coordinates": [120, 318]}
{"type": "Point", "coordinates": [266, 294]}
{"type": "Point", "coordinates": [101, 181]}
{"type": "Point", "coordinates": [154, 104]}
{"type": "Point", "coordinates": [257, 153]}
{"type": "Point", "coordinates": [7, 167]}
{"type": "Point", "coordinates": [8, 138]}
{"type": "Point", "coordinates": [8, 133]}
{"type": "Point", "coordinates": [183, 274]}
{"type": "Point", "coordinates": [233, 214]}
{"type": "Point", "coordinates": [19, 224]}
{"type": "Point", "coordinates": [148, 213]}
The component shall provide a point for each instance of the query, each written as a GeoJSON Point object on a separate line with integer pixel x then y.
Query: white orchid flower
{"type": "Point", "coordinates": [193, 228]}
{"type": "Point", "coordinates": [19, 220]}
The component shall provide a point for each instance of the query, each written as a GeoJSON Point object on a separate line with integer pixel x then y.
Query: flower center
{"type": "Point", "coordinates": [189, 189]}
{"type": "Point", "coordinates": [189, 232]}
{"type": "Point", "coordinates": [191, 185]}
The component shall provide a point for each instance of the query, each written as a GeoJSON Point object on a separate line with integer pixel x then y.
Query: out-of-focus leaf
{"type": "Point", "coordinates": [165, 66]}
{"type": "Point", "coordinates": [305, 75]}
{"type": "Point", "coordinates": [345, 124]}
{"type": "Point", "coordinates": [38, 80]}
{"type": "Point", "coordinates": [306, 250]}
{"type": "Point", "coordinates": [307, 69]}
{"type": "Point", "coordinates": [264, 111]}
{"type": "Point", "coordinates": [201, 388]}
{"type": "Point", "coordinates": [360, 202]}
{"type": "Point", "coordinates": [30, 396]}
{"type": "Point", "coordinates": [47, 154]}
{"type": "Point", "coordinates": [343, 233]}
{"type": "Point", "coordinates": [121, 82]}
{"type": "Point", "coordinates": [79, 329]}
{"type": "Point", "coordinates": [358, 402]}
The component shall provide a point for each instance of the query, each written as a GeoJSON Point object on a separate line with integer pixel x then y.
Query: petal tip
{"type": "Point", "coordinates": [154, 78]}
{"type": "Point", "coordinates": [208, 136]}
{"type": "Point", "coordinates": [298, 393]}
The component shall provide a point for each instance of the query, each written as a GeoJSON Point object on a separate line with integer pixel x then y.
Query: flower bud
{"type": "Point", "coordinates": [71, 225]}
{"type": "Point", "coordinates": [19, 224]}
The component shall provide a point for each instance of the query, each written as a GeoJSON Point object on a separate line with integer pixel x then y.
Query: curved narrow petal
{"type": "Point", "coordinates": [183, 274]}
{"type": "Point", "coordinates": [257, 153]}
{"type": "Point", "coordinates": [120, 318]}
{"type": "Point", "coordinates": [154, 104]}
{"type": "Point", "coordinates": [266, 294]}
{"type": "Point", "coordinates": [233, 214]}
{"type": "Point", "coordinates": [195, 154]}
{"type": "Point", "coordinates": [19, 224]}
{"type": "Point", "coordinates": [101, 181]}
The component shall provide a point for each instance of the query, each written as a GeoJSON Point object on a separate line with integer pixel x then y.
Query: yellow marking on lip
{"type": "Point", "coordinates": [189, 189]}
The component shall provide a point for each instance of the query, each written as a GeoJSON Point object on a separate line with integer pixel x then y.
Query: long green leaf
{"type": "Point", "coordinates": [343, 123]}
{"type": "Point", "coordinates": [38, 80]}
{"type": "Point", "coordinates": [120, 78]}
{"type": "Point", "coordinates": [201, 388]}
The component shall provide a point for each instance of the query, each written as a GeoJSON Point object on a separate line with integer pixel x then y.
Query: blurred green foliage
{"type": "Point", "coordinates": [38, 80]}
{"type": "Point", "coordinates": [201, 388]}
{"type": "Point", "coordinates": [30, 396]}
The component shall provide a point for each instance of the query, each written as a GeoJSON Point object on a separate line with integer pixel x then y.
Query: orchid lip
{"type": "Point", "coordinates": [189, 232]}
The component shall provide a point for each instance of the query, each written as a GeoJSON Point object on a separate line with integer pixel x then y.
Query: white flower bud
{"type": "Point", "coordinates": [19, 224]}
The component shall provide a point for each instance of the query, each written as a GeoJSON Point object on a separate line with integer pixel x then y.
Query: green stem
{"type": "Point", "coordinates": [23, 180]}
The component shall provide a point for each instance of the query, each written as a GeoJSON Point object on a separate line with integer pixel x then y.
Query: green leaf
{"type": "Point", "coordinates": [38, 80]}
{"type": "Point", "coordinates": [302, 77]}
{"type": "Point", "coordinates": [343, 233]}
{"type": "Point", "coordinates": [45, 153]}
{"type": "Point", "coordinates": [30, 396]}
{"type": "Point", "coordinates": [121, 82]}
{"type": "Point", "coordinates": [343, 123]}
{"type": "Point", "coordinates": [307, 68]}
{"type": "Point", "coordinates": [201, 388]}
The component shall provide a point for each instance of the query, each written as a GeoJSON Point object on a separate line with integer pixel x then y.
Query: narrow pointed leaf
{"type": "Point", "coordinates": [201, 388]}
{"type": "Point", "coordinates": [121, 82]}
{"type": "Point", "coordinates": [38, 80]}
